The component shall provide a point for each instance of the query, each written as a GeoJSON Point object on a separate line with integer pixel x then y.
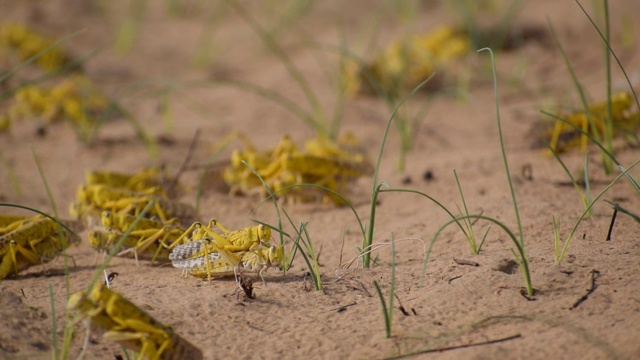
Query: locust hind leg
{"type": "Point", "coordinates": [29, 255]}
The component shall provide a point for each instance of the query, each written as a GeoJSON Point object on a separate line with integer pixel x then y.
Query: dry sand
{"type": "Point", "coordinates": [459, 305]}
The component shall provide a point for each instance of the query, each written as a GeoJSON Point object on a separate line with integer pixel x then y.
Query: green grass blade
{"type": "Point", "coordinates": [35, 57]}
{"type": "Point", "coordinates": [410, 191]}
{"type": "Point", "coordinates": [275, 48]}
{"type": "Point", "coordinates": [584, 213]}
{"type": "Point", "coordinates": [207, 167]}
{"type": "Point", "coordinates": [46, 185]}
{"type": "Point", "coordinates": [11, 176]}
{"type": "Point", "coordinates": [392, 289]}
{"type": "Point", "coordinates": [623, 210]}
{"type": "Point", "coordinates": [521, 257]}
{"type": "Point", "coordinates": [385, 312]}
{"type": "Point", "coordinates": [100, 269]}
{"type": "Point", "coordinates": [587, 182]}
{"type": "Point", "coordinates": [631, 179]}
{"type": "Point", "coordinates": [556, 237]}
{"type": "Point", "coordinates": [315, 269]}
{"type": "Point", "coordinates": [344, 200]}
{"type": "Point", "coordinates": [582, 132]}
{"type": "Point", "coordinates": [471, 237]}
{"type": "Point", "coordinates": [277, 98]}
{"type": "Point", "coordinates": [610, 49]}
{"type": "Point", "coordinates": [504, 153]}
{"type": "Point", "coordinates": [304, 255]}
{"type": "Point", "coordinates": [149, 143]}
{"type": "Point", "coordinates": [275, 201]}
{"type": "Point", "coordinates": [579, 190]}
{"type": "Point", "coordinates": [68, 330]}
{"type": "Point", "coordinates": [484, 238]}
{"type": "Point", "coordinates": [376, 187]}
{"type": "Point", "coordinates": [583, 97]}
{"type": "Point", "coordinates": [608, 123]}
{"type": "Point", "coordinates": [54, 333]}
{"type": "Point", "coordinates": [66, 68]}
{"type": "Point", "coordinates": [41, 213]}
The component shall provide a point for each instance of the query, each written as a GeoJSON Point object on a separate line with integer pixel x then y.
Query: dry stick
{"type": "Point", "coordinates": [341, 250]}
{"type": "Point", "coordinates": [488, 342]}
{"type": "Point", "coordinates": [401, 307]}
{"type": "Point", "coordinates": [613, 221]}
{"type": "Point", "coordinates": [192, 147]}
{"type": "Point", "coordinates": [465, 262]}
{"type": "Point", "coordinates": [343, 307]}
{"type": "Point", "coordinates": [594, 275]}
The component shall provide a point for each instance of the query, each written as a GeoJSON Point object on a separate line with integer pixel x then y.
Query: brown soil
{"type": "Point", "coordinates": [458, 304]}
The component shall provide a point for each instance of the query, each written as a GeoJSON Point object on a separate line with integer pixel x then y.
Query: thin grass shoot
{"type": "Point", "coordinates": [387, 309]}
{"type": "Point", "coordinates": [559, 256]}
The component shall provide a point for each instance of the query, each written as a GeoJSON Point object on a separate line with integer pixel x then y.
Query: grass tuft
{"type": "Point", "coordinates": [470, 234]}
{"type": "Point", "coordinates": [559, 255]}
{"type": "Point", "coordinates": [368, 240]}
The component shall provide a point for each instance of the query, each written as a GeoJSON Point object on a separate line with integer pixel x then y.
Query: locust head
{"type": "Point", "coordinates": [79, 302]}
{"type": "Point", "coordinates": [107, 219]}
{"type": "Point", "coordinates": [276, 255]}
{"type": "Point", "coordinates": [98, 240]}
{"type": "Point", "coordinates": [264, 233]}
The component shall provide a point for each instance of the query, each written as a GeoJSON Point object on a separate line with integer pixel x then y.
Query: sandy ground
{"type": "Point", "coordinates": [461, 311]}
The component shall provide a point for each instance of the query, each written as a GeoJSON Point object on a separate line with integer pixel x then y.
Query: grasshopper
{"type": "Point", "coordinates": [150, 236]}
{"type": "Point", "coordinates": [140, 246]}
{"type": "Point", "coordinates": [248, 238]}
{"type": "Point", "coordinates": [292, 169]}
{"type": "Point", "coordinates": [146, 180]}
{"type": "Point", "coordinates": [348, 149]}
{"type": "Point", "coordinates": [121, 321]}
{"type": "Point", "coordinates": [103, 197]}
{"type": "Point", "coordinates": [222, 263]}
{"type": "Point", "coordinates": [37, 240]}
{"type": "Point", "coordinates": [122, 222]}
{"type": "Point", "coordinates": [29, 43]}
{"type": "Point", "coordinates": [239, 177]}
{"type": "Point", "coordinates": [323, 163]}
{"type": "Point", "coordinates": [563, 136]}
{"type": "Point", "coordinates": [10, 222]}
{"type": "Point", "coordinates": [405, 63]}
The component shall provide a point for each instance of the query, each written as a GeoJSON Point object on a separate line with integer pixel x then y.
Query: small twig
{"type": "Point", "coordinates": [448, 348]}
{"type": "Point", "coordinates": [594, 275]}
{"type": "Point", "coordinates": [580, 183]}
{"type": "Point", "coordinates": [192, 147]}
{"type": "Point", "coordinates": [623, 210]}
{"type": "Point", "coordinates": [363, 288]}
{"type": "Point", "coordinates": [341, 250]}
{"type": "Point", "coordinates": [375, 246]}
{"type": "Point", "coordinates": [473, 223]}
{"type": "Point", "coordinates": [454, 278]}
{"type": "Point", "coordinates": [401, 307]}
{"type": "Point", "coordinates": [523, 292]}
{"type": "Point", "coordinates": [255, 327]}
{"type": "Point", "coordinates": [527, 171]}
{"type": "Point", "coordinates": [319, 253]}
{"type": "Point", "coordinates": [613, 221]}
{"type": "Point", "coordinates": [465, 262]}
{"type": "Point", "coordinates": [343, 307]}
